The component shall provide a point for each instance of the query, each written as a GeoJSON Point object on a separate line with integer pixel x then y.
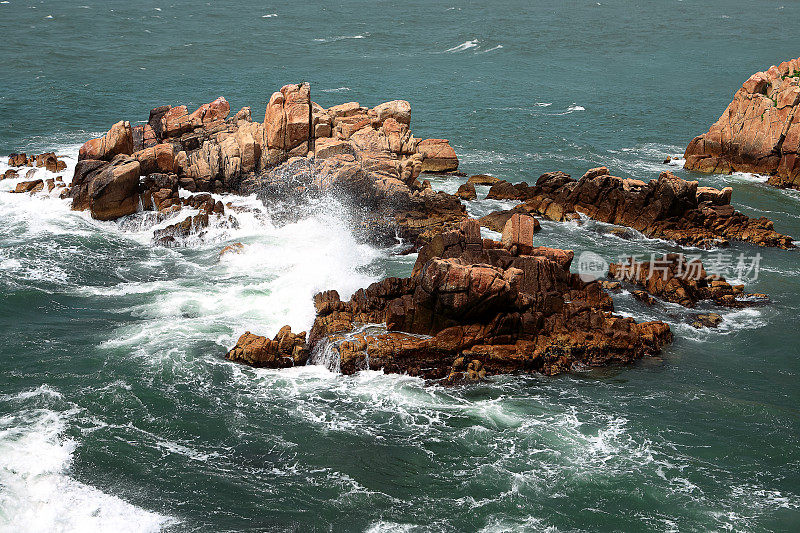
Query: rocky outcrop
{"type": "Point", "coordinates": [674, 279]}
{"type": "Point", "coordinates": [367, 156]}
{"type": "Point", "coordinates": [668, 208]}
{"type": "Point", "coordinates": [439, 156]}
{"type": "Point", "coordinates": [48, 160]}
{"type": "Point", "coordinates": [758, 132]}
{"type": "Point", "coordinates": [287, 349]}
{"type": "Point", "coordinates": [475, 307]}
{"type": "Point", "coordinates": [466, 191]}
{"type": "Point", "coordinates": [108, 189]}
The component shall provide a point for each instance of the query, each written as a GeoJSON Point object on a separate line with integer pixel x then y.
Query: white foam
{"type": "Point", "coordinates": [492, 49]}
{"type": "Point", "coordinates": [466, 45]}
{"type": "Point", "coordinates": [39, 496]}
{"type": "Point", "coordinates": [342, 38]}
{"type": "Point", "coordinates": [269, 16]}
{"type": "Point", "coordinates": [336, 90]}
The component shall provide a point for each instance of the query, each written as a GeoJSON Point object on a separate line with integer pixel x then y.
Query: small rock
{"type": "Point", "coordinates": [235, 248]}
{"type": "Point", "coordinates": [644, 297]}
{"type": "Point", "coordinates": [482, 179]}
{"type": "Point", "coordinates": [467, 191]}
{"type": "Point", "coordinates": [707, 320]}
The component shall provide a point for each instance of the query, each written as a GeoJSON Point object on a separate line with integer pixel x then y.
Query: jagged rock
{"type": "Point", "coordinates": [286, 350]}
{"type": "Point", "coordinates": [439, 156]}
{"type": "Point", "coordinates": [466, 191]}
{"type": "Point", "coordinates": [518, 231]}
{"type": "Point", "coordinates": [668, 207]}
{"type": "Point", "coordinates": [503, 190]}
{"type": "Point", "coordinates": [643, 297]}
{"type": "Point", "coordinates": [10, 174]}
{"type": "Point", "coordinates": [496, 220]}
{"type": "Point", "coordinates": [758, 132]}
{"type": "Point", "coordinates": [118, 140]}
{"type": "Point", "coordinates": [29, 186]}
{"type": "Point", "coordinates": [108, 189]}
{"type": "Point", "coordinates": [474, 307]}
{"type": "Point", "coordinates": [368, 157]}
{"type": "Point", "coordinates": [49, 161]}
{"type": "Point", "coordinates": [706, 320]}
{"type": "Point", "coordinates": [17, 160]}
{"type": "Point", "coordinates": [676, 280]}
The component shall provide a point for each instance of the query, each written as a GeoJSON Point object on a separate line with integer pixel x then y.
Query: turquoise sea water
{"type": "Point", "coordinates": [119, 413]}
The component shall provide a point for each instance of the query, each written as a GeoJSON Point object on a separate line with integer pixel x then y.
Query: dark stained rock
{"type": "Point", "coordinates": [676, 280]}
{"type": "Point", "coordinates": [474, 307]}
{"type": "Point", "coordinates": [466, 191]}
{"type": "Point", "coordinates": [668, 207]}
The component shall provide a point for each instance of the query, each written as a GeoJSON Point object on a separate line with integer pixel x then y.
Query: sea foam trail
{"type": "Point", "coordinates": [37, 493]}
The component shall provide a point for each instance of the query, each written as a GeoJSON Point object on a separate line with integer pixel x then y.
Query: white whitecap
{"type": "Point", "coordinates": [466, 45]}
{"type": "Point", "coordinates": [39, 495]}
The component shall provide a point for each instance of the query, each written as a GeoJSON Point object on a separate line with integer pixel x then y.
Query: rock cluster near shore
{"type": "Point", "coordinates": [474, 307]}
{"type": "Point", "coordinates": [368, 155]}
{"type": "Point", "coordinates": [759, 131]}
{"type": "Point", "coordinates": [672, 278]}
{"type": "Point", "coordinates": [668, 207]}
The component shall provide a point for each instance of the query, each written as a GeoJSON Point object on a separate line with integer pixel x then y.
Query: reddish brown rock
{"type": "Point", "coordinates": [518, 231]}
{"type": "Point", "coordinates": [29, 186]}
{"type": "Point", "coordinates": [10, 174]}
{"type": "Point", "coordinates": [673, 279]}
{"type": "Point", "coordinates": [474, 307]}
{"type": "Point", "coordinates": [235, 248]}
{"type": "Point", "coordinates": [159, 158]}
{"type": "Point", "coordinates": [466, 191]}
{"type": "Point", "coordinates": [17, 160]}
{"type": "Point", "coordinates": [482, 179]}
{"type": "Point", "coordinates": [668, 207]}
{"type": "Point", "coordinates": [286, 350]}
{"type": "Point", "coordinates": [758, 132]}
{"type": "Point", "coordinates": [108, 189]}
{"type": "Point", "coordinates": [118, 140]}
{"type": "Point", "coordinates": [439, 156]}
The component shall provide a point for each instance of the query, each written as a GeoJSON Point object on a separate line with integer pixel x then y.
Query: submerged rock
{"type": "Point", "coordinates": [758, 132]}
{"type": "Point", "coordinates": [475, 307]}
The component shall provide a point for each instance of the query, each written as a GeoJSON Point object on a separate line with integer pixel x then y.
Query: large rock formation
{"type": "Point", "coordinates": [758, 132]}
{"type": "Point", "coordinates": [474, 307]}
{"type": "Point", "coordinates": [668, 207]}
{"type": "Point", "coordinates": [367, 156]}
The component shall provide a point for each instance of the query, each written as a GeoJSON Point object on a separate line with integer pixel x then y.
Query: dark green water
{"type": "Point", "coordinates": [118, 412]}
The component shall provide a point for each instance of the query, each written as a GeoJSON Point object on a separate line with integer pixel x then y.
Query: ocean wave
{"type": "Point", "coordinates": [342, 38]}
{"type": "Point", "coordinates": [466, 45]}
{"type": "Point", "coordinates": [336, 90]}
{"type": "Point", "coordinates": [39, 495]}
{"type": "Point", "coordinates": [492, 49]}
